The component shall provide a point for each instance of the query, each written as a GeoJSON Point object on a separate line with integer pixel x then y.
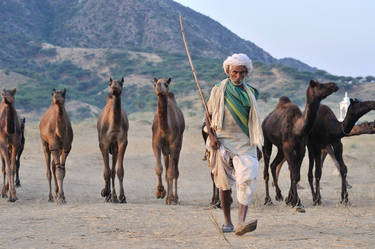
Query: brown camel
{"type": "Point", "coordinates": [113, 126]}
{"type": "Point", "coordinates": [287, 128]}
{"type": "Point", "coordinates": [18, 154]}
{"type": "Point", "coordinates": [10, 139]}
{"type": "Point", "coordinates": [57, 136]}
{"type": "Point", "coordinates": [327, 130]}
{"type": "Point", "coordinates": [167, 133]}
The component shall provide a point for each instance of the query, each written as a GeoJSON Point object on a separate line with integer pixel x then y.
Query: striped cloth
{"type": "Point", "coordinates": [238, 103]}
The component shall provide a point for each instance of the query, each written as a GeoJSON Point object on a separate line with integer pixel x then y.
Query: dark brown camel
{"type": "Point", "coordinates": [57, 136]}
{"type": "Point", "coordinates": [113, 126]}
{"type": "Point", "coordinates": [327, 130]}
{"type": "Point", "coordinates": [287, 128]}
{"type": "Point", "coordinates": [360, 129]}
{"type": "Point", "coordinates": [19, 152]}
{"type": "Point", "coordinates": [10, 139]}
{"type": "Point", "coordinates": [167, 133]}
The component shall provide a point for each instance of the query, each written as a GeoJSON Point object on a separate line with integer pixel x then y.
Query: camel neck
{"type": "Point", "coordinates": [163, 112]}
{"type": "Point", "coordinates": [60, 120]}
{"type": "Point", "coordinates": [309, 115]}
{"type": "Point", "coordinates": [115, 108]}
{"type": "Point", "coordinates": [10, 117]}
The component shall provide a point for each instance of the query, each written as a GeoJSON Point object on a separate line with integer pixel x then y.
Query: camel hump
{"type": "Point", "coordinates": [284, 100]}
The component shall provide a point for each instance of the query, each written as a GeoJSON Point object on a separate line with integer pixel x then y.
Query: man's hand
{"type": "Point", "coordinates": [214, 142]}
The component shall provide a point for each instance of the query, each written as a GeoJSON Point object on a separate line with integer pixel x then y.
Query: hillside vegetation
{"type": "Point", "coordinates": [79, 45]}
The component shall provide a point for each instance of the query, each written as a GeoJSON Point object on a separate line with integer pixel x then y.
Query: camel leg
{"type": "Point", "coordinates": [278, 168]}
{"type": "Point", "coordinates": [120, 171]}
{"type": "Point", "coordinates": [324, 152]}
{"type": "Point", "coordinates": [64, 156]}
{"type": "Point", "coordinates": [5, 158]}
{"type": "Point", "coordinates": [5, 184]}
{"type": "Point", "coordinates": [291, 159]}
{"type": "Point", "coordinates": [175, 174]}
{"type": "Point", "coordinates": [338, 148]}
{"type": "Point", "coordinates": [160, 191]}
{"type": "Point", "coordinates": [112, 173]}
{"type": "Point", "coordinates": [55, 178]}
{"type": "Point", "coordinates": [267, 150]}
{"type": "Point", "coordinates": [300, 154]}
{"type": "Point", "coordinates": [276, 162]}
{"type": "Point", "coordinates": [18, 164]}
{"type": "Point", "coordinates": [310, 172]}
{"type": "Point", "coordinates": [106, 191]}
{"type": "Point", "coordinates": [331, 153]}
{"type": "Point", "coordinates": [60, 174]}
{"type": "Point", "coordinates": [317, 199]}
{"type": "Point", "coordinates": [12, 190]}
{"type": "Point", "coordinates": [47, 156]}
{"type": "Point", "coordinates": [169, 178]}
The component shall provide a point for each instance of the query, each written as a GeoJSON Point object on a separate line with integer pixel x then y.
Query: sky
{"type": "Point", "coordinates": [337, 36]}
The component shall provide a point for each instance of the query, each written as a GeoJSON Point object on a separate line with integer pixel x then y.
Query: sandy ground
{"type": "Point", "coordinates": [86, 221]}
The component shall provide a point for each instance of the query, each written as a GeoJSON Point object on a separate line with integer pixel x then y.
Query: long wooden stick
{"type": "Point", "coordinates": [193, 70]}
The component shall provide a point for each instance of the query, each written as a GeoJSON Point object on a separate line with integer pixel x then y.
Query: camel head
{"type": "Point", "coordinates": [357, 109]}
{"type": "Point", "coordinates": [115, 86]}
{"type": "Point", "coordinates": [58, 96]}
{"type": "Point", "coordinates": [8, 96]}
{"type": "Point", "coordinates": [161, 86]}
{"type": "Point", "coordinates": [319, 91]}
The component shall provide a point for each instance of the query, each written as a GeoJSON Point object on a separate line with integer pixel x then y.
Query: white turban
{"type": "Point", "coordinates": [238, 60]}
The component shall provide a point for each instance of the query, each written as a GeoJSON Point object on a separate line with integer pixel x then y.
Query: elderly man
{"type": "Point", "coordinates": [234, 134]}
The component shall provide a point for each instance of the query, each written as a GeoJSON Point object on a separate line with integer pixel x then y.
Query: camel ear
{"type": "Point", "coordinates": [155, 80]}
{"type": "Point", "coordinates": [169, 81]}
{"type": "Point", "coordinates": [312, 83]}
{"type": "Point", "coordinates": [64, 92]}
{"type": "Point", "coordinates": [14, 91]}
{"type": "Point", "coordinates": [53, 91]}
{"type": "Point", "coordinates": [122, 82]}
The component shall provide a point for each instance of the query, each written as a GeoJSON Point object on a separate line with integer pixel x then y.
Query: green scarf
{"type": "Point", "coordinates": [238, 103]}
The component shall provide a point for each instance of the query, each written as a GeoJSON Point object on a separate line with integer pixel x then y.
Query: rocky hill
{"type": "Point", "coordinates": [124, 24]}
{"type": "Point", "coordinates": [79, 44]}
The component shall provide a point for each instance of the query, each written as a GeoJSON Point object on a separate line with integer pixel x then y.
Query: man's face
{"type": "Point", "coordinates": [237, 74]}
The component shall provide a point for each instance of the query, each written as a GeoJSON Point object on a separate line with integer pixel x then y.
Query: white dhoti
{"type": "Point", "coordinates": [229, 169]}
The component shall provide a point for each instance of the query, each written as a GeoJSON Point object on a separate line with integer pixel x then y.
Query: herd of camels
{"type": "Point", "coordinates": [286, 127]}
